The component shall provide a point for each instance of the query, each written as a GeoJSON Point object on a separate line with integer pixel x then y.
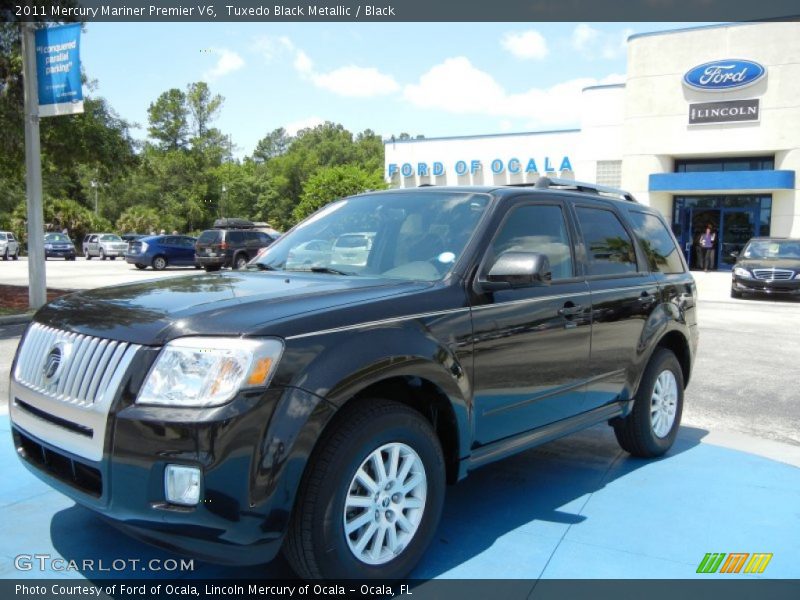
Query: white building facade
{"type": "Point", "coordinates": [706, 128]}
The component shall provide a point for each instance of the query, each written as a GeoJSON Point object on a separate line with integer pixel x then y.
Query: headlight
{"type": "Point", "coordinates": [144, 247]}
{"type": "Point", "coordinates": [741, 272]}
{"type": "Point", "coordinates": [49, 246]}
{"type": "Point", "coordinates": [208, 371]}
{"type": "Point", "coordinates": [797, 276]}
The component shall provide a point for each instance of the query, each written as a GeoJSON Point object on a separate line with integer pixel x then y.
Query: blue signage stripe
{"type": "Point", "coordinates": [722, 180]}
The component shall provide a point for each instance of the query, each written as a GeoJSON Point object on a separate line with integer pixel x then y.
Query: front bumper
{"type": "Point", "coordinates": [247, 450]}
{"type": "Point", "coordinates": [57, 252]}
{"type": "Point", "coordinates": [783, 287]}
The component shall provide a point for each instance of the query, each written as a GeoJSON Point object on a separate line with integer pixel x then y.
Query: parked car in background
{"type": "Point", "coordinates": [352, 249]}
{"type": "Point", "coordinates": [767, 266]}
{"type": "Point", "coordinates": [131, 237]}
{"type": "Point", "coordinates": [315, 253]}
{"type": "Point", "coordinates": [232, 244]}
{"type": "Point", "coordinates": [58, 245]}
{"type": "Point", "coordinates": [161, 251]}
{"type": "Point", "coordinates": [9, 246]}
{"type": "Point", "coordinates": [104, 245]}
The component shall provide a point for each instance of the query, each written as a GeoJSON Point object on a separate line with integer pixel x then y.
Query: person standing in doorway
{"type": "Point", "coordinates": [706, 242]}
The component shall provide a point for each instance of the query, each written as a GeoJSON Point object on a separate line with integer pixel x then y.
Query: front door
{"type": "Point", "coordinates": [531, 343]}
{"type": "Point", "coordinates": [737, 227]}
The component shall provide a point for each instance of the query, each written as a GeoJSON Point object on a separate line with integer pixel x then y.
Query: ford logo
{"type": "Point", "coordinates": [722, 75]}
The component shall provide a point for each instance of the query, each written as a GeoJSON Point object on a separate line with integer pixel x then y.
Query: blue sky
{"type": "Point", "coordinates": [436, 79]}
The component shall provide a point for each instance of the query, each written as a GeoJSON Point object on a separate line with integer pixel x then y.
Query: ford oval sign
{"type": "Point", "coordinates": [723, 75]}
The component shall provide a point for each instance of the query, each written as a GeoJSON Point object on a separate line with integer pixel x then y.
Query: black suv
{"type": "Point", "coordinates": [232, 243]}
{"type": "Point", "coordinates": [322, 409]}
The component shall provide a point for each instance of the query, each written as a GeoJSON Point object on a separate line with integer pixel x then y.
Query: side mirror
{"type": "Point", "coordinates": [518, 269]}
{"type": "Point", "coordinates": [735, 254]}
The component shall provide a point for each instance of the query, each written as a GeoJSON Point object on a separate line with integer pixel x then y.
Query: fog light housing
{"type": "Point", "coordinates": [182, 485]}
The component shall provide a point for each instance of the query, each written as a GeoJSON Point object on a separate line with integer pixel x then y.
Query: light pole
{"type": "Point", "coordinates": [95, 184]}
{"type": "Point", "coordinates": [224, 197]}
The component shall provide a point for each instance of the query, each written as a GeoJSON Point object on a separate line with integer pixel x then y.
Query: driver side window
{"type": "Point", "coordinates": [536, 228]}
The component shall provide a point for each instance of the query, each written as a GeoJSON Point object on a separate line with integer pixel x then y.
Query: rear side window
{"type": "Point", "coordinates": [609, 248]}
{"type": "Point", "coordinates": [663, 256]}
{"type": "Point", "coordinates": [209, 237]}
{"type": "Point", "coordinates": [235, 237]}
{"type": "Point", "coordinates": [11, 237]}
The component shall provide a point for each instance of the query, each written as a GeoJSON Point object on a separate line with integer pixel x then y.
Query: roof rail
{"type": "Point", "coordinates": [544, 183]}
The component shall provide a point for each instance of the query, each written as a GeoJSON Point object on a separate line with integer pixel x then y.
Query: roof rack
{"type": "Point", "coordinates": [544, 183]}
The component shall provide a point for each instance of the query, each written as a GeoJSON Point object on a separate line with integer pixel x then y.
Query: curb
{"type": "Point", "coordinates": [16, 319]}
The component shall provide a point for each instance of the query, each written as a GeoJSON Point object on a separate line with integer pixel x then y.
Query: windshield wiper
{"type": "Point", "coordinates": [322, 270]}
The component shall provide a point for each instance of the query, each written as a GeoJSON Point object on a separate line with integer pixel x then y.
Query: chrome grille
{"type": "Point", "coordinates": [89, 364]}
{"type": "Point", "coordinates": [774, 274]}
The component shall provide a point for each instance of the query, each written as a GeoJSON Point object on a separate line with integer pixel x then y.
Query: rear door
{"type": "Point", "coordinates": [184, 250]}
{"type": "Point", "coordinates": [531, 344]}
{"type": "Point", "coordinates": [623, 294]}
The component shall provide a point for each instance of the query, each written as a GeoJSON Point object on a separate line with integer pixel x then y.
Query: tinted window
{"type": "Point", "coordinates": [537, 228]}
{"type": "Point", "coordinates": [609, 248]}
{"type": "Point", "coordinates": [209, 237]}
{"type": "Point", "coordinates": [11, 237]}
{"type": "Point", "coordinates": [186, 242]}
{"type": "Point", "coordinates": [2, 236]}
{"type": "Point", "coordinates": [263, 238]}
{"type": "Point", "coordinates": [662, 254]}
{"type": "Point", "coordinates": [236, 237]}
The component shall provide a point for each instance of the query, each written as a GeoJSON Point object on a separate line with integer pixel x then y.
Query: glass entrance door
{"type": "Point", "coordinates": [737, 227]}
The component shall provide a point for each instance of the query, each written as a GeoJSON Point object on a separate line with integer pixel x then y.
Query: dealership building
{"type": "Point", "coordinates": [706, 128]}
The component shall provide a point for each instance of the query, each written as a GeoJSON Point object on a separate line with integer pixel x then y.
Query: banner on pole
{"type": "Point", "coordinates": [58, 70]}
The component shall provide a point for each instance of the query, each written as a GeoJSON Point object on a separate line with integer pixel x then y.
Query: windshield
{"type": "Point", "coordinates": [56, 237]}
{"type": "Point", "coordinates": [110, 238]}
{"type": "Point", "coordinates": [761, 249]}
{"type": "Point", "coordinates": [413, 236]}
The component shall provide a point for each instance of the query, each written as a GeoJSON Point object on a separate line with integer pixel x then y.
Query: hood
{"type": "Point", "coordinates": [153, 312]}
{"type": "Point", "coordinates": [792, 264]}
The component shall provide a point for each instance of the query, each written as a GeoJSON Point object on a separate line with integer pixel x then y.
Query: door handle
{"type": "Point", "coordinates": [570, 310]}
{"type": "Point", "coordinates": [646, 299]}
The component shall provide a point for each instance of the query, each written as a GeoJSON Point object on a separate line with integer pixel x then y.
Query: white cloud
{"type": "Point", "coordinates": [227, 62]}
{"type": "Point", "coordinates": [349, 81]}
{"type": "Point", "coordinates": [356, 82]}
{"type": "Point", "coordinates": [456, 86]}
{"type": "Point", "coordinates": [307, 123]}
{"type": "Point", "coordinates": [272, 47]}
{"type": "Point", "coordinates": [593, 43]}
{"type": "Point", "coordinates": [529, 45]}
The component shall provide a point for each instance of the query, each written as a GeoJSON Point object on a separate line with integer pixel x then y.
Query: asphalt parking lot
{"type": "Point", "coordinates": [575, 508]}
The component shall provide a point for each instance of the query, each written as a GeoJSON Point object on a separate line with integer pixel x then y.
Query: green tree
{"type": "Point", "coordinates": [169, 120]}
{"type": "Point", "coordinates": [60, 213]}
{"type": "Point", "coordinates": [142, 219]}
{"type": "Point", "coordinates": [202, 106]}
{"type": "Point", "coordinates": [275, 143]}
{"type": "Point", "coordinates": [331, 183]}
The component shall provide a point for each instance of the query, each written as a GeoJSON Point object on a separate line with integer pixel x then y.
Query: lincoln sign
{"type": "Point", "coordinates": [733, 111]}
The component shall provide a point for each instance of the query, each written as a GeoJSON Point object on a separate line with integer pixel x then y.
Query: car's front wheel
{"type": "Point", "coordinates": [240, 262]}
{"type": "Point", "coordinates": [16, 255]}
{"type": "Point", "coordinates": [102, 254]}
{"type": "Point", "coordinates": [371, 497]}
{"type": "Point", "coordinates": [652, 426]}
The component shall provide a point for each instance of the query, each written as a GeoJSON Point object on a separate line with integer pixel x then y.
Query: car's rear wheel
{"type": "Point", "coordinates": [371, 497]}
{"type": "Point", "coordinates": [140, 266]}
{"type": "Point", "coordinates": [652, 426]}
{"type": "Point", "coordinates": [102, 254]}
{"type": "Point", "coordinates": [16, 255]}
{"type": "Point", "coordinates": [212, 268]}
{"type": "Point", "coordinates": [86, 255]}
{"type": "Point", "coordinates": [240, 262]}
{"type": "Point", "coordinates": [159, 263]}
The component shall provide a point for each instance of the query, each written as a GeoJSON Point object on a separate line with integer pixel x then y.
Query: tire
{"type": "Point", "coordinates": [735, 294]}
{"type": "Point", "coordinates": [646, 433]}
{"type": "Point", "coordinates": [5, 254]}
{"type": "Point", "coordinates": [212, 268]}
{"type": "Point", "coordinates": [15, 256]}
{"type": "Point", "coordinates": [240, 261]}
{"type": "Point", "coordinates": [113, 257]}
{"type": "Point", "coordinates": [317, 544]}
{"type": "Point", "coordinates": [102, 254]}
{"type": "Point", "coordinates": [159, 263]}
{"type": "Point", "coordinates": [140, 266]}
{"type": "Point", "coordinates": [86, 255]}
